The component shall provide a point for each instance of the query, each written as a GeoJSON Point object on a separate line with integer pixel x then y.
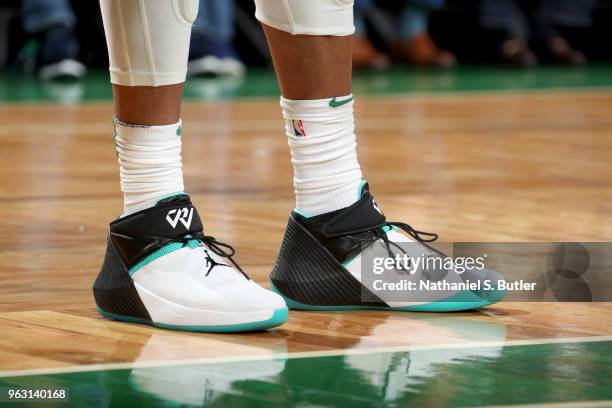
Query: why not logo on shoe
{"type": "Point", "coordinates": [184, 215]}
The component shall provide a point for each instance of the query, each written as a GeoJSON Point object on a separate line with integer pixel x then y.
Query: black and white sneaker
{"type": "Point", "coordinates": [161, 269]}
{"type": "Point", "coordinates": [319, 266]}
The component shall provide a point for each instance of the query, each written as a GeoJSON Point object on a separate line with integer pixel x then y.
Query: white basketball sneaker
{"type": "Point", "coordinates": [160, 269]}
{"type": "Point", "coordinates": [319, 266]}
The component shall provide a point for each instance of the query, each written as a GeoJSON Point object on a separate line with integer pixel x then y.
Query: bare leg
{"type": "Point", "coordinates": [314, 74]}
{"type": "Point", "coordinates": [311, 67]}
{"type": "Point", "coordinates": [148, 105]}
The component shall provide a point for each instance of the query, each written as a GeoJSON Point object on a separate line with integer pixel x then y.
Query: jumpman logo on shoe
{"type": "Point", "coordinates": [211, 263]}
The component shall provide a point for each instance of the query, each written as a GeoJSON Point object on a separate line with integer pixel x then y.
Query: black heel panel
{"type": "Point", "coordinates": [305, 271]}
{"type": "Point", "coordinates": [114, 289]}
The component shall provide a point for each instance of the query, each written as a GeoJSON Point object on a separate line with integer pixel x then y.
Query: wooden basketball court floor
{"type": "Point", "coordinates": [493, 166]}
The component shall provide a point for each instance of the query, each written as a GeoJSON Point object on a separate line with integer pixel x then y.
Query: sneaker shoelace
{"type": "Point", "coordinates": [219, 248]}
{"type": "Point", "coordinates": [379, 232]}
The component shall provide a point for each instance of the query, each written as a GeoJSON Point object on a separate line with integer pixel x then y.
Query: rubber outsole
{"type": "Point", "coordinates": [462, 301]}
{"type": "Point", "coordinates": [278, 318]}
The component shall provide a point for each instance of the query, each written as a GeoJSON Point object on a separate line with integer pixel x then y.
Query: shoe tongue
{"type": "Point", "coordinates": [171, 217]}
{"type": "Point", "coordinates": [361, 216]}
{"type": "Point", "coordinates": [176, 199]}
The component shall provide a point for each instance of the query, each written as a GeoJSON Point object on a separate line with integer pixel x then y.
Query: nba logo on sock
{"type": "Point", "coordinates": [298, 128]}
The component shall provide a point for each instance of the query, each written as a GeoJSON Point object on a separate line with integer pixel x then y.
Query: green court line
{"type": "Point", "coordinates": [572, 404]}
{"type": "Point", "coordinates": [262, 83]}
{"type": "Point", "coordinates": [468, 376]}
{"type": "Point", "coordinates": [303, 354]}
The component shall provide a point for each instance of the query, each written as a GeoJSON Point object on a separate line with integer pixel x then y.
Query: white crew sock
{"type": "Point", "coordinates": [150, 163]}
{"type": "Point", "coordinates": [321, 135]}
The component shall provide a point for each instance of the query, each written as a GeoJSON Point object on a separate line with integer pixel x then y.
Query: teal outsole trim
{"type": "Point", "coordinates": [460, 302]}
{"type": "Point", "coordinates": [278, 317]}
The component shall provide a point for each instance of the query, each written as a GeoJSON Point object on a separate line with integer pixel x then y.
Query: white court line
{"type": "Point", "coordinates": [572, 404]}
{"type": "Point", "coordinates": [303, 354]}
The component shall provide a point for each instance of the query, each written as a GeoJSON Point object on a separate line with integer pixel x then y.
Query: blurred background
{"type": "Point", "coordinates": [55, 49]}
